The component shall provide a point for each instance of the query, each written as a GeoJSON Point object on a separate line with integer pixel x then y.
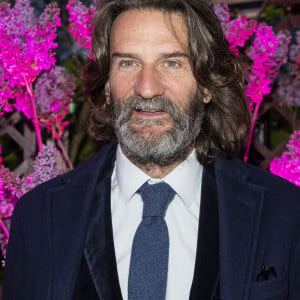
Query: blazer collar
{"type": "Point", "coordinates": [240, 206]}
{"type": "Point", "coordinates": [68, 214]}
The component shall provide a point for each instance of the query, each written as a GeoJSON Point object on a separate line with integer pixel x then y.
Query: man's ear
{"type": "Point", "coordinates": [107, 93]}
{"type": "Point", "coordinates": [207, 96]}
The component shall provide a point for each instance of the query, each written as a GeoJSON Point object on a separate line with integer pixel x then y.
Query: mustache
{"type": "Point", "coordinates": [142, 104]}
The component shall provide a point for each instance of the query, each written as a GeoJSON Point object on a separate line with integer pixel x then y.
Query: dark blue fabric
{"type": "Point", "coordinates": [99, 252]}
{"type": "Point", "coordinates": [259, 222]}
{"type": "Point", "coordinates": [85, 288]}
{"type": "Point", "coordinates": [206, 276]}
{"type": "Point", "coordinates": [150, 250]}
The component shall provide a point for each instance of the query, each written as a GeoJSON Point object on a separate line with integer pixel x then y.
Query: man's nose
{"type": "Point", "coordinates": [149, 84]}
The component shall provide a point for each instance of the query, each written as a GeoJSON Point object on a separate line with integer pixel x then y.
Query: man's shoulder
{"type": "Point", "coordinates": [280, 193]}
{"type": "Point", "coordinates": [90, 168]}
{"type": "Point", "coordinates": [254, 173]}
{"type": "Point", "coordinates": [266, 178]}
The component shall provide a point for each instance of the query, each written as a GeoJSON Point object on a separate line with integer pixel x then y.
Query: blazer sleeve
{"type": "Point", "coordinates": [14, 272]}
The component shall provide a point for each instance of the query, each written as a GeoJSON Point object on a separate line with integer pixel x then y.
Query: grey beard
{"type": "Point", "coordinates": [163, 149]}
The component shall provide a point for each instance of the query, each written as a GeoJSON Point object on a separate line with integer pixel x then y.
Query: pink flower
{"type": "Point", "coordinates": [295, 49]}
{"type": "Point", "coordinates": [268, 52]}
{"type": "Point", "coordinates": [6, 93]}
{"type": "Point", "coordinates": [53, 94]}
{"type": "Point", "coordinates": [45, 167]}
{"type": "Point", "coordinates": [289, 90]}
{"type": "Point", "coordinates": [26, 49]}
{"type": "Point", "coordinates": [289, 85]}
{"type": "Point", "coordinates": [237, 31]}
{"type": "Point", "coordinates": [12, 186]}
{"type": "Point", "coordinates": [27, 43]}
{"type": "Point", "coordinates": [221, 10]}
{"type": "Point", "coordinates": [81, 22]}
{"type": "Point", "coordinates": [288, 166]}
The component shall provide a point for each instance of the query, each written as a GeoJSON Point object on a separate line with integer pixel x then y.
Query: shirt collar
{"type": "Point", "coordinates": [185, 179]}
{"type": "Point", "coordinates": [129, 177]}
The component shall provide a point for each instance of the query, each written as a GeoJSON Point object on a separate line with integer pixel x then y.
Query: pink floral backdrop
{"type": "Point", "coordinates": [32, 83]}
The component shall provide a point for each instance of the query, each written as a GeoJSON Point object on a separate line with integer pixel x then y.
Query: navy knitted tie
{"type": "Point", "coordinates": [150, 250]}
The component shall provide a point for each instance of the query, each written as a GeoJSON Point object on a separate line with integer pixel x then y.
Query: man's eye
{"type": "Point", "coordinates": [127, 64]}
{"type": "Point", "coordinates": [172, 64]}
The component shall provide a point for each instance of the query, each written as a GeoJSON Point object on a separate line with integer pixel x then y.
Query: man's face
{"type": "Point", "coordinates": [152, 87]}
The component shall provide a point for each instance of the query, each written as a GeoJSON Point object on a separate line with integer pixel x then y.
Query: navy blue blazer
{"type": "Point", "coordinates": [259, 224]}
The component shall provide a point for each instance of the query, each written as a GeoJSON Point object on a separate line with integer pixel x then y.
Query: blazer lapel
{"type": "Point", "coordinates": [68, 212]}
{"type": "Point", "coordinates": [240, 207]}
{"type": "Point", "coordinates": [99, 249]}
{"type": "Point", "coordinates": [207, 257]}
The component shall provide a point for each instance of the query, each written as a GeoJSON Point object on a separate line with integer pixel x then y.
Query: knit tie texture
{"type": "Point", "coordinates": [150, 250]}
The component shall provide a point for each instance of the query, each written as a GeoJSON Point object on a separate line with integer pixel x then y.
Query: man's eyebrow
{"type": "Point", "coordinates": [123, 55]}
{"type": "Point", "coordinates": [163, 55]}
{"type": "Point", "coordinates": [174, 54]}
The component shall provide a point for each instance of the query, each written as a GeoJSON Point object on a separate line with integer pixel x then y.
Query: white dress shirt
{"type": "Point", "coordinates": [182, 218]}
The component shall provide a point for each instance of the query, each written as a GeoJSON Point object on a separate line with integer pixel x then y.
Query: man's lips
{"type": "Point", "coordinates": [152, 113]}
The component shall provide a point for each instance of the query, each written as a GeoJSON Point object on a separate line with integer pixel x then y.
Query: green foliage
{"type": "Point", "coordinates": [273, 13]}
{"type": "Point", "coordinates": [88, 148]}
{"type": "Point", "coordinates": [278, 137]}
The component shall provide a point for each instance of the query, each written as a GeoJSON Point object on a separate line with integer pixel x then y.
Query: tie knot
{"type": "Point", "coordinates": [156, 198]}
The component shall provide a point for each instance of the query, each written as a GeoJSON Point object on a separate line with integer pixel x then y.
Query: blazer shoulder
{"type": "Point", "coordinates": [281, 199]}
{"type": "Point", "coordinates": [254, 174]}
{"type": "Point", "coordinates": [239, 172]}
{"type": "Point", "coordinates": [267, 178]}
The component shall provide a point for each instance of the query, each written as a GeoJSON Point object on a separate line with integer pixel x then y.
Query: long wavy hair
{"type": "Point", "coordinates": [226, 119]}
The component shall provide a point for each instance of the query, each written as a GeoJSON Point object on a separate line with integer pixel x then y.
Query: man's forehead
{"type": "Point", "coordinates": [153, 25]}
{"type": "Point", "coordinates": [128, 14]}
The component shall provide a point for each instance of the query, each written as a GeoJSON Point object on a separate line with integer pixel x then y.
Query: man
{"type": "Point", "coordinates": [166, 86]}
